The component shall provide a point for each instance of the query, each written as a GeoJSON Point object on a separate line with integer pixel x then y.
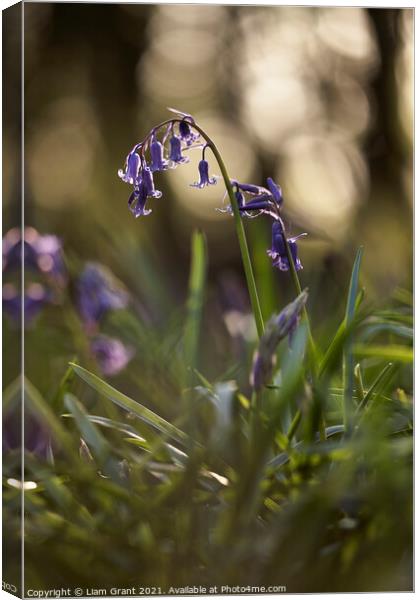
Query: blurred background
{"type": "Point", "coordinates": [321, 99]}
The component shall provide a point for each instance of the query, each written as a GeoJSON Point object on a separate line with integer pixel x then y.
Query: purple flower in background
{"type": "Point", "coordinates": [175, 154]}
{"type": "Point", "coordinates": [99, 292]}
{"type": "Point", "coordinates": [41, 253]}
{"type": "Point", "coordinates": [132, 169]}
{"type": "Point", "coordinates": [12, 249]}
{"type": "Point", "coordinates": [156, 152]}
{"type": "Point", "coordinates": [12, 302]}
{"type": "Point", "coordinates": [36, 296]}
{"type": "Point", "coordinates": [278, 251]}
{"type": "Point", "coordinates": [278, 327]}
{"type": "Point", "coordinates": [111, 354]}
{"type": "Point", "coordinates": [43, 259]}
{"type": "Point", "coordinates": [49, 258]}
{"type": "Point", "coordinates": [203, 169]}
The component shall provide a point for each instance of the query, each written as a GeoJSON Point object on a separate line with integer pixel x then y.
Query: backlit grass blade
{"type": "Point", "coordinates": [195, 297]}
{"type": "Point", "coordinates": [92, 436]}
{"type": "Point", "coordinates": [393, 352]}
{"type": "Point", "coordinates": [360, 390]}
{"type": "Point", "coordinates": [127, 403]}
{"type": "Point", "coordinates": [378, 385]}
{"type": "Point", "coordinates": [334, 350]}
{"type": "Point", "coordinates": [348, 361]}
{"type": "Point", "coordinates": [111, 424]}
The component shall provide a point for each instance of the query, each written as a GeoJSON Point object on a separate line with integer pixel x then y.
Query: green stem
{"type": "Point", "coordinates": [298, 287]}
{"type": "Point", "coordinates": [240, 231]}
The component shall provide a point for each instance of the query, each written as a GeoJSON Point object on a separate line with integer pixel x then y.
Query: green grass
{"type": "Point", "coordinates": [180, 481]}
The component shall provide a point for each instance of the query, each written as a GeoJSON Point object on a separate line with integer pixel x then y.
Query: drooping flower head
{"type": "Point", "coordinates": [278, 251]}
{"type": "Point", "coordinates": [186, 133]}
{"type": "Point", "coordinates": [278, 327]}
{"type": "Point", "coordinates": [131, 169]}
{"type": "Point", "coordinates": [275, 191]}
{"type": "Point", "coordinates": [158, 162]}
{"type": "Point", "coordinates": [205, 179]}
{"type": "Point", "coordinates": [260, 198]}
{"type": "Point", "coordinates": [175, 154]}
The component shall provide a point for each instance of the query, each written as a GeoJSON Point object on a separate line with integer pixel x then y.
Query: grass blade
{"type": "Point", "coordinates": [34, 400]}
{"type": "Point", "coordinates": [195, 297]}
{"type": "Point", "coordinates": [127, 403]}
{"type": "Point", "coordinates": [348, 360]}
{"type": "Point", "coordinates": [360, 390]}
{"type": "Point", "coordinates": [393, 352]}
{"type": "Point", "coordinates": [95, 440]}
{"type": "Point", "coordinates": [378, 385]}
{"type": "Point", "coordinates": [334, 350]}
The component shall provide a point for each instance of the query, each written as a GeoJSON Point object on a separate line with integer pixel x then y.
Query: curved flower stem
{"type": "Point", "coordinates": [246, 259]}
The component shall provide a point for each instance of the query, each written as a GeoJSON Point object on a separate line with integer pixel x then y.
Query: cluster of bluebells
{"type": "Point", "coordinates": [278, 327]}
{"type": "Point", "coordinates": [99, 293]}
{"type": "Point", "coordinates": [45, 272]}
{"type": "Point", "coordinates": [164, 147]}
{"type": "Point", "coordinates": [46, 279]}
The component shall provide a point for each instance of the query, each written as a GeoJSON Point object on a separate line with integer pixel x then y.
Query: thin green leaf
{"type": "Point", "coordinates": [12, 394]}
{"type": "Point", "coordinates": [392, 352]}
{"type": "Point", "coordinates": [348, 367]}
{"type": "Point", "coordinates": [95, 440]}
{"type": "Point", "coordinates": [334, 350]}
{"type": "Point", "coordinates": [195, 297]}
{"type": "Point", "coordinates": [378, 385]}
{"type": "Point", "coordinates": [379, 326]}
{"type": "Point", "coordinates": [360, 390]}
{"type": "Point", "coordinates": [127, 403]}
{"type": "Point", "coordinates": [111, 424]}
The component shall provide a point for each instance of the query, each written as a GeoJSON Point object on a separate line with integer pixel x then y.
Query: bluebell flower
{"type": "Point", "coordinates": [203, 169]}
{"type": "Point", "coordinates": [159, 163]}
{"type": "Point", "coordinates": [41, 253]}
{"type": "Point", "coordinates": [49, 258]}
{"type": "Point", "coordinates": [132, 169]}
{"type": "Point", "coordinates": [260, 202]}
{"type": "Point", "coordinates": [111, 354]}
{"type": "Point", "coordinates": [137, 202]}
{"type": "Point", "coordinates": [250, 188]}
{"type": "Point", "coordinates": [147, 179]}
{"type": "Point", "coordinates": [99, 292]}
{"type": "Point", "coordinates": [175, 154]}
{"type": "Point", "coordinates": [35, 297]}
{"type": "Point", "coordinates": [275, 191]}
{"type": "Point", "coordinates": [278, 251]}
{"type": "Point", "coordinates": [278, 327]}
{"type": "Point", "coordinates": [186, 133]}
